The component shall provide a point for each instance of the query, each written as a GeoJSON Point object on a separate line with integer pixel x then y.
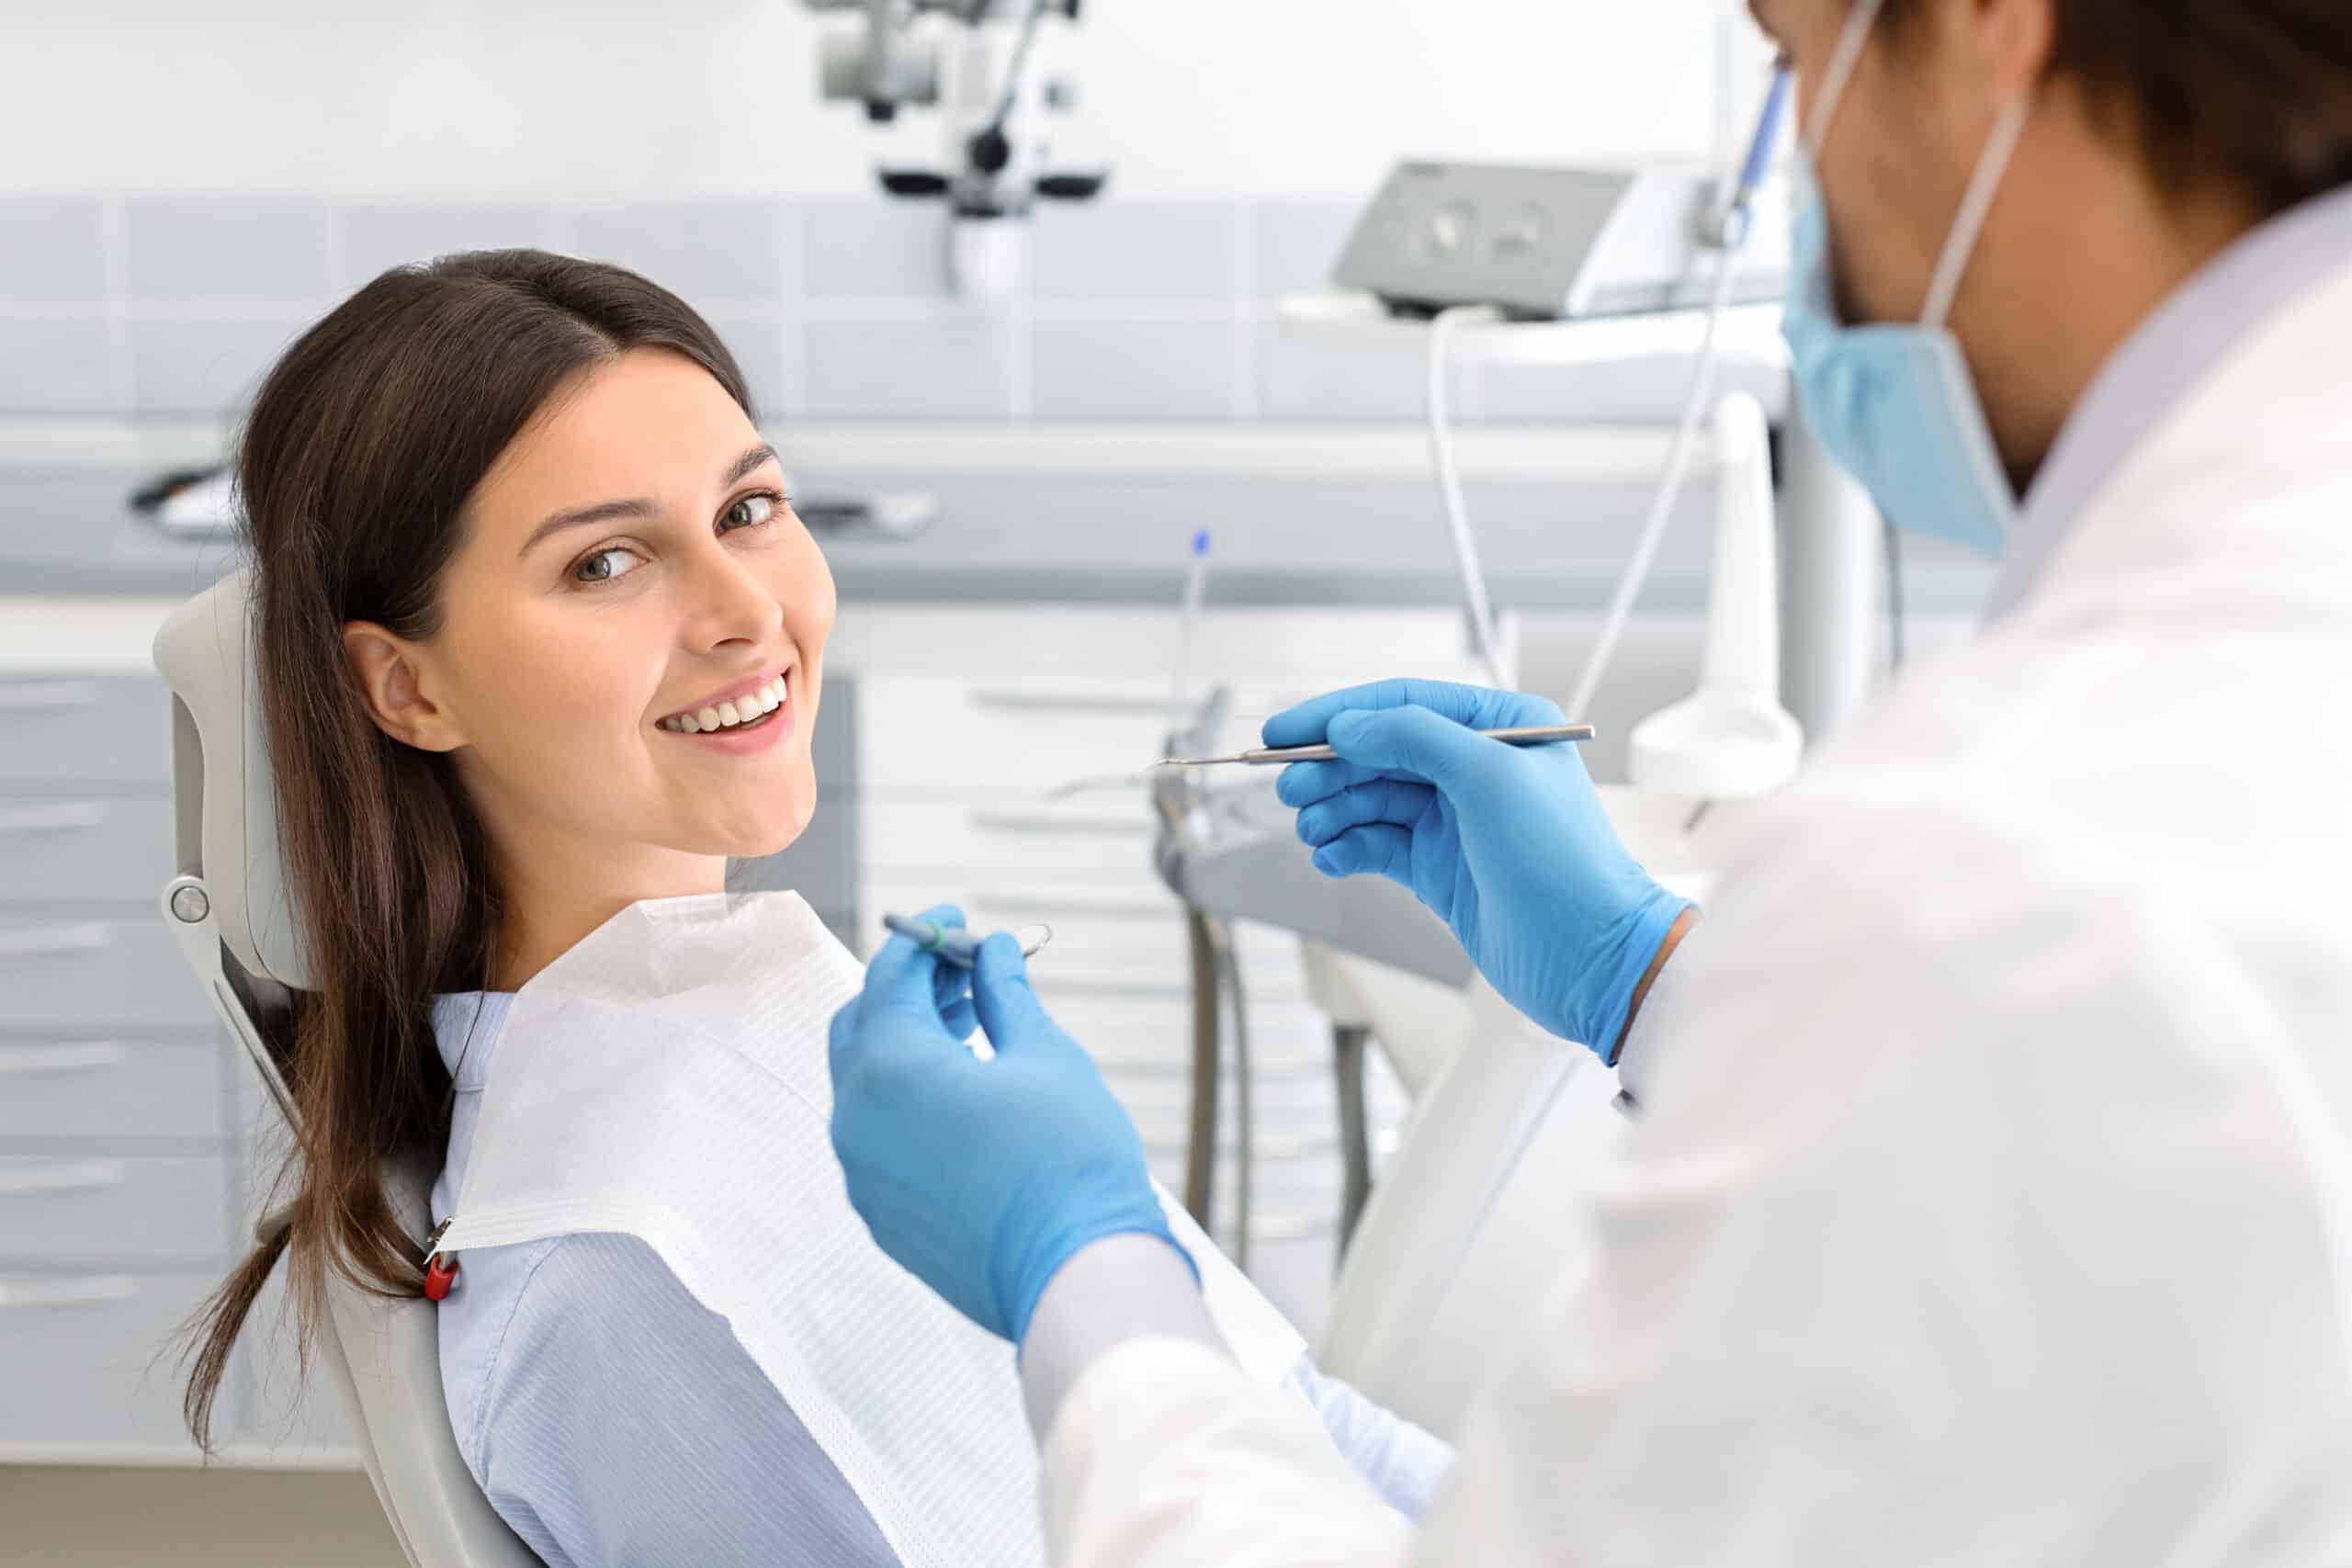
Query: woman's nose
{"type": "Point", "coordinates": [727, 602]}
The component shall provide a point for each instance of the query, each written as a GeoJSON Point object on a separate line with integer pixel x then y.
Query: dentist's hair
{"type": "Point", "coordinates": [2251, 97]}
{"type": "Point", "coordinates": [355, 466]}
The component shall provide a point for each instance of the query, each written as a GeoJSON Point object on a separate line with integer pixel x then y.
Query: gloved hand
{"type": "Point", "coordinates": [982, 1178]}
{"type": "Point", "coordinates": [1509, 847]}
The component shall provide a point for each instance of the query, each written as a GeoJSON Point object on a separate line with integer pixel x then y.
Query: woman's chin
{"type": "Point", "coordinates": [758, 835]}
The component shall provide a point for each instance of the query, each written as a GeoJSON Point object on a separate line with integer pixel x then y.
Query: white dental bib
{"type": "Point", "coordinates": [667, 1079]}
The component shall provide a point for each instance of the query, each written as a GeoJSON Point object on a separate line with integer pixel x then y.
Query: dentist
{"type": "Point", "coordinates": [1990, 1200]}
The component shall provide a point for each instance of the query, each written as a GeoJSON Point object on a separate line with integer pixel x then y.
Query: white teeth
{"type": "Point", "coordinates": [738, 710]}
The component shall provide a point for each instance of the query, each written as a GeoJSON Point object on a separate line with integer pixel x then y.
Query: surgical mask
{"type": "Point", "coordinates": [1895, 405]}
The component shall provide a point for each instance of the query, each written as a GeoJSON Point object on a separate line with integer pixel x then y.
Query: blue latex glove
{"type": "Point", "coordinates": [1509, 847]}
{"type": "Point", "coordinates": [982, 1178]}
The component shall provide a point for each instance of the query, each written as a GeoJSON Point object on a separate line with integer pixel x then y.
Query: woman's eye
{"type": "Point", "coordinates": [750, 511]}
{"type": "Point", "coordinates": [605, 565]}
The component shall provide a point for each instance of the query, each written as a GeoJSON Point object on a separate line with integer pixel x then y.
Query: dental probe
{"type": "Point", "coordinates": [959, 947]}
{"type": "Point", "coordinates": [1278, 756]}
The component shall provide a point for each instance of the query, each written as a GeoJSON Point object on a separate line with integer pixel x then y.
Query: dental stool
{"type": "Point", "coordinates": [232, 913]}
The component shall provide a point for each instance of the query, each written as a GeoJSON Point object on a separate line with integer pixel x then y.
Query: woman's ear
{"type": "Point", "coordinates": [387, 670]}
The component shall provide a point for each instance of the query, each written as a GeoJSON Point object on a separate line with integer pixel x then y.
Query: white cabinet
{"type": "Point", "coordinates": [127, 1159]}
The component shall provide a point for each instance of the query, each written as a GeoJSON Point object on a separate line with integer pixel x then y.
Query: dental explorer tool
{"type": "Point", "coordinates": [957, 946]}
{"type": "Point", "coordinates": [1279, 756]}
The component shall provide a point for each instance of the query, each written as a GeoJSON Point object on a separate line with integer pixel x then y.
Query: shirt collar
{"type": "Point", "coordinates": [466, 1024]}
{"type": "Point", "coordinates": [2171, 353]}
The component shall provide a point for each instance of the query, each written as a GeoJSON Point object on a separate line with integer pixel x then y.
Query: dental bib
{"type": "Point", "coordinates": [666, 1078]}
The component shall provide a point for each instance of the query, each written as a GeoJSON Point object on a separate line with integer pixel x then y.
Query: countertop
{"type": "Point", "coordinates": [1305, 516]}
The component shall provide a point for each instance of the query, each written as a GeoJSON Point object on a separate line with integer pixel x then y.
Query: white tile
{"type": "Point", "coordinates": [875, 250]}
{"type": "Point", "coordinates": [1159, 251]}
{"type": "Point", "coordinates": [1133, 370]}
{"type": "Point", "coordinates": [701, 250]}
{"type": "Point", "coordinates": [205, 366]}
{"type": "Point", "coordinates": [51, 245]}
{"type": "Point", "coordinates": [374, 236]}
{"type": "Point", "coordinates": [55, 365]}
{"type": "Point", "coordinates": [950, 367]}
{"type": "Point", "coordinates": [227, 245]}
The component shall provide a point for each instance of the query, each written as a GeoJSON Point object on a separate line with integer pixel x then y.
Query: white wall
{"type": "Point", "coordinates": [579, 97]}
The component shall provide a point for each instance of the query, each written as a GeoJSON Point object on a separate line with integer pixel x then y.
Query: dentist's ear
{"type": "Point", "coordinates": [2006, 44]}
{"type": "Point", "coordinates": [386, 667]}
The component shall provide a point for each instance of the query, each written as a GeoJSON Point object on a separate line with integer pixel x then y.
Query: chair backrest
{"type": "Point", "coordinates": [1485, 1207]}
{"type": "Point", "coordinates": [383, 1355]}
{"type": "Point", "coordinates": [1479, 1213]}
{"type": "Point", "coordinates": [225, 803]}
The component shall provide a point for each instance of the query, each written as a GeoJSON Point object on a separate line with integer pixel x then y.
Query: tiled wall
{"type": "Point", "coordinates": [1144, 310]}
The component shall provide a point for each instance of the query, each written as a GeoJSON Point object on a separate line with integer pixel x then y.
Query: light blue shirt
{"type": "Point", "coordinates": [611, 1418]}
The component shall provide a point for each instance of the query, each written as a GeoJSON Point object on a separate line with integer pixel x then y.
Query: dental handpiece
{"type": "Point", "coordinates": [954, 945]}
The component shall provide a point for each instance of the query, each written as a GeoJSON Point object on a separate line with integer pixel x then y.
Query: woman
{"type": "Point", "coordinates": [540, 639]}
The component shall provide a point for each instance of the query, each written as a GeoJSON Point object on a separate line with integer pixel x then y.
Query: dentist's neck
{"type": "Point", "coordinates": [2083, 247]}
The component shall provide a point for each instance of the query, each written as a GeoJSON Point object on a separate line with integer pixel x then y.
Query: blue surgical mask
{"type": "Point", "coordinates": [1895, 405]}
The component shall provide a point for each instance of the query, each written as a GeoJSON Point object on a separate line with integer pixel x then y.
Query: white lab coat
{"type": "Point", "coordinates": [1991, 1202]}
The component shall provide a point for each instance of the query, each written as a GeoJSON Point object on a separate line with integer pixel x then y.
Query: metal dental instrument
{"type": "Point", "coordinates": [959, 947]}
{"type": "Point", "coordinates": [1279, 756]}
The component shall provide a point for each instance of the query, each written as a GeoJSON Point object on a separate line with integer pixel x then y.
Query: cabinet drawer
{"type": "Point", "coordinates": [82, 1358]}
{"type": "Point", "coordinates": [966, 739]}
{"type": "Point", "coordinates": [1305, 1096]}
{"type": "Point", "coordinates": [102, 728]}
{"type": "Point", "coordinates": [103, 1208]}
{"type": "Point", "coordinates": [86, 849]}
{"type": "Point", "coordinates": [66, 973]}
{"type": "Point", "coordinates": [100, 1089]}
{"type": "Point", "coordinates": [1107, 935]}
{"type": "Point", "coordinates": [1082, 843]}
{"type": "Point", "coordinates": [1154, 1038]}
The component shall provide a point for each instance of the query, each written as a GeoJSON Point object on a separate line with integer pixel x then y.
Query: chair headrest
{"type": "Point", "coordinates": [225, 799]}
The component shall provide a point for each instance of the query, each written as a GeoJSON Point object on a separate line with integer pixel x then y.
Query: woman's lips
{"type": "Point", "coordinates": [742, 704]}
{"type": "Point", "coordinates": [771, 729]}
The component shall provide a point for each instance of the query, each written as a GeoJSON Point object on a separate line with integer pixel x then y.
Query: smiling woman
{"type": "Point", "coordinates": [510, 521]}
{"type": "Point", "coordinates": [418, 624]}
{"type": "Point", "coordinates": [540, 640]}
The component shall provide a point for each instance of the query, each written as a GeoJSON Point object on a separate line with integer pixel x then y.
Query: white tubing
{"type": "Point", "coordinates": [1449, 481]}
{"type": "Point", "coordinates": [1669, 491]}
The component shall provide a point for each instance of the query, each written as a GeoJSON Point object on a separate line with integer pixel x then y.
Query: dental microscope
{"type": "Point", "coordinates": [1000, 78]}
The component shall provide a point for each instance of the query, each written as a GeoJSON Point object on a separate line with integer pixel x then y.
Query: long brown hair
{"type": "Point", "coordinates": [355, 466]}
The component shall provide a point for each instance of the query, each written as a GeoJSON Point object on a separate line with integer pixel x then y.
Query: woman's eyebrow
{"type": "Point", "coordinates": [605, 510]}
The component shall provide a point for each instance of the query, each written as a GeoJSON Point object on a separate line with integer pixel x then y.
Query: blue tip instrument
{"type": "Point", "coordinates": [952, 944]}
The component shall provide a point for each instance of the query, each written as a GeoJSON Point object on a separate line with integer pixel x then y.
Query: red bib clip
{"type": "Point", "coordinates": [440, 1267]}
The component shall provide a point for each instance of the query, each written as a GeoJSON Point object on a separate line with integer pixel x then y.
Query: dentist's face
{"type": "Point", "coordinates": [631, 642]}
{"type": "Point", "coordinates": [1906, 135]}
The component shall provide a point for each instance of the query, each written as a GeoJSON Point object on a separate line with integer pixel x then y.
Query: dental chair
{"type": "Point", "coordinates": [232, 914]}
{"type": "Point", "coordinates": [1483, 1209]}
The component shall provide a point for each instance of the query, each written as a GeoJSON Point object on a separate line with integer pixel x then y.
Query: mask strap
{"type": "Point", "coordinates": [1976, 208]}
{"type": "Point", "coordinates": [1843, 62]}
